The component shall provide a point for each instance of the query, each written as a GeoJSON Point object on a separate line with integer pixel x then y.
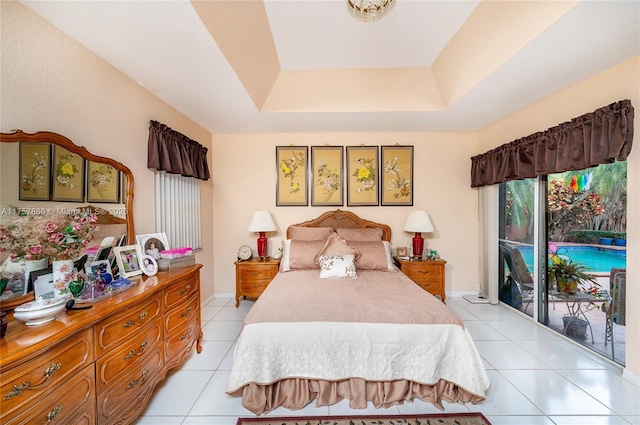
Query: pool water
{"type": "Point", "coordinates": [599, 260]}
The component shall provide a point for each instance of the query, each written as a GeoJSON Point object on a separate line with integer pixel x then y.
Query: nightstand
{"type": "Point", "coordinates": [428, 274]}
{"type": "Point", "coordinates": [253, 276]}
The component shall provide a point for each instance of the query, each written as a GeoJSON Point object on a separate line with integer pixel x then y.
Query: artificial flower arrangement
{"type": "Point", "coordinates": [53, 233]}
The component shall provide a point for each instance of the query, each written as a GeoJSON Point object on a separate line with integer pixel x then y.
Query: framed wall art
{"type": "Point", "coordinates": [68, 176]}
{"type": "Point", "coordinates": [35, 171]}
{"type": "Point", "coordinates": [396, 164]}
{"type": "Point", "coordinates": [362, 176]}
{"type": "Point", "coordinates": [103, 183]}
{"type": "Point", "coordinates": [292, 175]}
{"type": "Point", "coordinates": [327, 176]}
{"type": "Point", "coordinates": [128, 258]}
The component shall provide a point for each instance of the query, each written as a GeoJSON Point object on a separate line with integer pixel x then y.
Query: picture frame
{"type": "Point", "coordinates": [149, 265]}
{"type": "Point", "coordinates": [152, 244]}
{"type": "Point", "coordinates": [327, 176]}
{"type": "Point", "coordinates": [402, 251]}
{"type": "Point", "coordinates": [67, 171]}
{"type": "Point", "coordinates": [35, 171]}
{"type": "Point", "coordinates": [292, 176]}
{"type": "Point", "coordinates": [103, 183]}
{"type": "Point", "coordinates": [396, 184]}
{"type": "Point", "coordinates": [128, 259]}
{"type": "Point", "coordinates": [101, 268]}
{"type": "Point", "coordinates": [362, 177]}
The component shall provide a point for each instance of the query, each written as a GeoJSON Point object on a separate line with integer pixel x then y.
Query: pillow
{"type": "Point", "coordinates": [374, 255]}
{"type": "Point", "coordinates": [335, 245]}
{"type": "Point", "coordinates": [337, 266]}
{"type": "Point", "coordinates": [300, 255]}
{"type": "Point", "coordinates": [360, 235]}
{"type": "Point", "coordinates": [302, 233]}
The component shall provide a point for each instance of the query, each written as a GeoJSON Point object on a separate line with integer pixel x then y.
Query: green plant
{"type": "Point", "coordinates": [571, 277]}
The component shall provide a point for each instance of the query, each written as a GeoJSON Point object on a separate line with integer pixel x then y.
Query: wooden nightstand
{"type": "Point", "coordinates": [253, 276]}
{"type": "Point", "coordinates": [428, 274]}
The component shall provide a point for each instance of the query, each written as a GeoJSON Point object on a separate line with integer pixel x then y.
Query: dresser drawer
{"type": "Point", "coordinates": [64, 406]}
{"type": "Point", "coordinates": [122, 327]}
{"type": "Point", "coordinates": [179, 293]}
{"type": "Point", "coordinates": [182, 314]}
{"type": "Point", "coordinates": [133, 386]}
{"type": "Point", "coordinates": [254, 288]}
{"type": "Point", "coordinates": [27, 383]}
{"type": "Point", "coordinates": [425, 273]}
{"type": "Point", "coordinates": [130, 353]}
{"type": "Point", "coordinates": [181, 339]}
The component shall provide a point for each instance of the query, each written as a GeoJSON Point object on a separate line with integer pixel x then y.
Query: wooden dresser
{"type": "Point", "coordinates": [100, 366]}
{"type": "Point", "coordinates": [253, 277]}
{"type": "Point", "coordinates": [428, 274]}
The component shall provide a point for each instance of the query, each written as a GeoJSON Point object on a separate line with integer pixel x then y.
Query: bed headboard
{"type": "Point", "coordinates": [339, 218]}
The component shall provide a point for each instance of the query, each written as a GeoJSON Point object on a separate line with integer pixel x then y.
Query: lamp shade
{"type": "Point", "coordinates": [418, 222]}
{"type": "Point", "coordinates": [262, 222]}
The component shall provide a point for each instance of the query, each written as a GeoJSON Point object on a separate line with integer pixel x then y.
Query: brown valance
{"type": "Point", "coordinates": [175, 153]}
{"type": "Point", "coordinates": [599, 137]}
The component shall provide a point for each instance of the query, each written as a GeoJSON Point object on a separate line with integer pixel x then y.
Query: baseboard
{"type": "Point", "coordinates": [631, 377]}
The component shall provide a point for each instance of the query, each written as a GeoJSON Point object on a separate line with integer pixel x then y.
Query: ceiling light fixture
{"type": "Point", "coordinates": [369, 10]}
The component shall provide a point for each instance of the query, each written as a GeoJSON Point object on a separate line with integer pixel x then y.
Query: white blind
{"type": "Point", "coordinates": [178, 209]}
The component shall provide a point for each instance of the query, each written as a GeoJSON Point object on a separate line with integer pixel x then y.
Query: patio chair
{"type": "Point", "coordinates": [519, 271]}
{"type": "Point", "coordinates": [616, 310]}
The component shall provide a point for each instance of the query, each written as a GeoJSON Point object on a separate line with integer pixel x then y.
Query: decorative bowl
{"type": "Point", "coordinates": [40, 311]}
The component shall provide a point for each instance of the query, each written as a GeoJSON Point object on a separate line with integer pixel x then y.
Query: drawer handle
{"type": "Point", "coordinates": [130, 323]}
{"type": "Point", "coordinates": [184, 336]}
{"type": "Point", "coordinates": [136, 353]}
{"type": "Point", "coordinates": [185, 290]}
{"type": "Point", "coordinates": [185, 313]}
{"type": "Point", "coordinates": [256, 286]}
{"type": "Point", "coordinates": [135, 382]}
{"type": "Point", "coordinates": [18, 389]}
{"type": "Point", "coordinates": [256, 273]}
{"type": "Point", "coordinates": [52, 415]}
{"type": "Point", "coordinates": [424, 271]}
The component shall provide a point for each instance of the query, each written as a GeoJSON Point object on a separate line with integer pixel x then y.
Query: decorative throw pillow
{"type": "Point", "coordinates": [360, 235]}
{"type": "Point", "coordinates": [337, 266]}
{"type": "Point", "coordinates": [373, 255]}
{"type": "Point", "coordinates": [300, 255]}
{"type": "Point", "coordinates": [301, 233]}
{"type": "Point", "coordinates": [335, 245]}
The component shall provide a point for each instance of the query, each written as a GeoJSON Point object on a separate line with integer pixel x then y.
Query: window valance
{"type": "Point", "coordinates": [173, 152]}
{"type": "Point", "coordinates": [599, 137]}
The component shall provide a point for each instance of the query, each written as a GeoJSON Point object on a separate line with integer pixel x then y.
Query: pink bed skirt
{"type": "Point", "coordinates": [295, 393]}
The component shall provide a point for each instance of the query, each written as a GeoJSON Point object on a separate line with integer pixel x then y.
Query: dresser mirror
{"type": "Point", "coordinates": [18, 151]}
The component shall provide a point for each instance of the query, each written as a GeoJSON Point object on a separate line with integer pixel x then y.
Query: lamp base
{"type": "Point", "coordinates": [263, 258]}
{"type": "Point", "coordinates": [418, 245]}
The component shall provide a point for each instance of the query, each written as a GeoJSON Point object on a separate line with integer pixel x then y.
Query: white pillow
{"type": "Point", "coordinates": [387, 248]}
{"type": "Point", "coordinates": [337, 266]}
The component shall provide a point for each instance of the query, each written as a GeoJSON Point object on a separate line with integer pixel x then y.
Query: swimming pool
{"type": "Point", "coordinates": [599, 260]}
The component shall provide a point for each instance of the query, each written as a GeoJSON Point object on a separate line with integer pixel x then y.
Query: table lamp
{"type": "Point", "coordinates": [418, 222]}
{"type": "Point", "coordinates": [261, 223]}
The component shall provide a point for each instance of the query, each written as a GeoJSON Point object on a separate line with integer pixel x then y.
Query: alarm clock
{"type": "Point", "coordinates": [244, 253]}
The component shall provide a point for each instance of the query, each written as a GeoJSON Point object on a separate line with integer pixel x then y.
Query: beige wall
{"type": "Point", "coordinates": [50, 82]}
{"type": "Point", "coordinates": [244, 182]}
{"type": "Point", "coordinates": [617, 83]}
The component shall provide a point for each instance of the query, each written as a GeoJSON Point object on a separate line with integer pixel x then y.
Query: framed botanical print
{"type": "Point", "coordinates": [103, 183]}
{"type": "Point", "coordinates": [68, 176]}
{"type": "Point", "coordinates": [292, 174]}
{"type": "Point", "coordinates": [396, 186]}
{"type": "Point", "coordinates": [362, 176]}
{"type": "Point", "coordinates": [327, 176]}
{"type": "Point", "coordinates": [35, 171]}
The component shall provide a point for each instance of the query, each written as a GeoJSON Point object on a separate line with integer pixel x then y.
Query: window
{"type": "Point", "coordinates": [178, 209]}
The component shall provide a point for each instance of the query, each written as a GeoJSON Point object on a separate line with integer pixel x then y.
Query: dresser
{"type": "Point", "coordinates": [253, 276]}
{"type": "Point", "coordinates": [428, 274]}
{"type": "Point", "coordinates": [101, 365]}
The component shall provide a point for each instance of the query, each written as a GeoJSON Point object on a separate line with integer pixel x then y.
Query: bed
{"type": "Point", "coordinates": [340, 321]}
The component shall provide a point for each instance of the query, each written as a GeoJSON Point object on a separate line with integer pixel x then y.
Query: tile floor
{"type": "Point", "coordinates": [537, 377]}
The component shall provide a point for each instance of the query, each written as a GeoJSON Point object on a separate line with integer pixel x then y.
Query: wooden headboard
{"type": "Point", "coordinates": [339, 218]}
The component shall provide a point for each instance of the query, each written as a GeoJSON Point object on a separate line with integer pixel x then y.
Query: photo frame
{"type": "Point", "coordinates": [101, 268]}
{"type": "Point", "coordinates": [362, 176]}
{"type": "Point", "coordinates": [402, 251]}
{"type": "Point", "coordinates": [149, 265]}
{"type": "Point", "coordinates": [396, 184]}
{"type": "Point", "coordinates": [292, 176]}
{"type": "Point", "coordinates": [153, 244]}
{"type": "Point", "coordinates": [35, 171]}
{"type": "Point", "coordinates": [327, 176]}
{"type": "Point", "coordinates": [103, 183]}
{"type": "Point", "coordinates": [128, 259]}
{"type": "Point", "coordinates": [67, 182]}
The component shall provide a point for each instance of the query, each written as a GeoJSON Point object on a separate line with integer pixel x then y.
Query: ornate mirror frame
{"type": "Point", "coordinates": [59, 140]}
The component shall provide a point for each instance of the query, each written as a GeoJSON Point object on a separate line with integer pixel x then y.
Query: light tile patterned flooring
{"type": "Point", "coordinates": [537, 377]}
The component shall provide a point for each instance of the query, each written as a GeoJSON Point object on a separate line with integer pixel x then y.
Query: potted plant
{"type": "Point", "coordinates": [606, 241]}
{"type": "Point", "coordinates": [620, 240]}
{"type": "Point", "coordinates": [570, 277]}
